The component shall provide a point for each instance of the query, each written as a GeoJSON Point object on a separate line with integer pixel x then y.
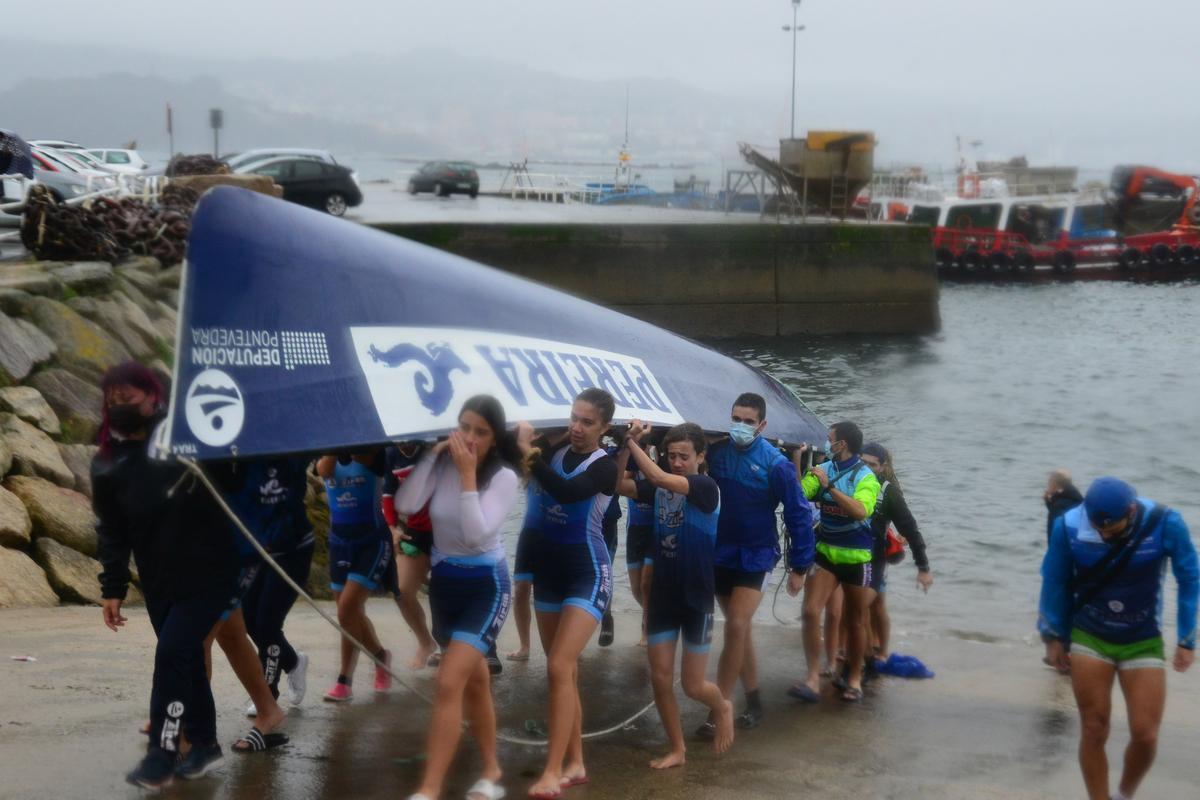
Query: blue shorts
{"type": "Point", "coordinates": [367, 562]}
{"type": "Point", "coordinates": [469, 604]}
{"type": "Point", "coordinates": [639, 545]}
{"type": "Point", "coordinates": [527, 547]}
{"type": "Point", "coordinates": [667, 615]}
{"type": "Point", "coordinates": [245, 580]}
{"type": "Point", "coordinates": [573, 574]}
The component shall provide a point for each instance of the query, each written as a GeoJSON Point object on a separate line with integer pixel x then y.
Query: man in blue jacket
{"type": "Point", "coordinates": [754, 478]}
{"type": "Point", "coordinates": [1102, 591]}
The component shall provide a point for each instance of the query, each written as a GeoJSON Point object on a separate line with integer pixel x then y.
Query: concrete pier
{"type": "Point", "coordinates": [718, 280]}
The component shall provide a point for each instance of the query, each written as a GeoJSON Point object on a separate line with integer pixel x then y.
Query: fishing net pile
{"type": "Point", "coordinates": [108, 229]}
{"type": "Point", "coordinates": [196, 165]}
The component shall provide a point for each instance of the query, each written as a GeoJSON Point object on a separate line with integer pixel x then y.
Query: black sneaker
{"type": "Point", "coordinates": [707, 732]}
{"type": "Point", "coordinates": [606, 630]}
{"type": "Point", "coordinates": [749, 719]}
{"type": "Point", "coordinates": [201, 760]}
{"type": "Point", "coordinates": [494, 665]}
{"type": "Point", "coordinates": [155, 773]}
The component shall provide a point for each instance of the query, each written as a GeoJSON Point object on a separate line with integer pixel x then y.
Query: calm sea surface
{"type": "Point", "coordinates": [1100, 378]}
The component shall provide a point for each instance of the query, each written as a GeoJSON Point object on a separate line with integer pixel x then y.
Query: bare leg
{"type": "Point", "coordinates": [1092, 680]}
{"type": "Point", "coordinates": [352, 615]}
{"type": "Point", "coordinates": [564, 635]}
{"type": "Point", "coordinates": [458, 666]}
{"type": "Point", "coordinates": [411, 572]}
{"type": "Point", "coordinates": [858, 599]}
{"type": "Point", "coordinates": [482, 715]}
{"type": "Point", "coordinates": [662, 678]}
{"type": "Point", "coordinates": [243, 657]}
{"type": "Point", "coordinates": [834, 640]}
{"type": "Point", "coordinates": [739, 610]}
{"type": "Point", "coordinates": [881, 624]}
{"type": "Point", "coordinates": [635, 585]}
{"type": "Point", "coordinates": [1145, 697]}
{"type": "Point", "coordinates": [817, 590]}
{"type": "Point", "coordinates": [697, 687]}
{"type": "Point", "coordinates": [521, 613]}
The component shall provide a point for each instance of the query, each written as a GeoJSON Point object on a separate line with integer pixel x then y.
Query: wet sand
{"type": "Point", "coordinates": [993, 723]}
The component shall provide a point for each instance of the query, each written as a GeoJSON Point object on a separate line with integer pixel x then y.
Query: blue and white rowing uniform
{"type": "Point", "coordinates": [573, 567]}
{"type": "Point", "coordinates": [360, 545]}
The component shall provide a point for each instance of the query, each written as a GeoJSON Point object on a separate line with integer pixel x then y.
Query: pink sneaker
{"type": "Point", "coordinates": [383, 680]}
{"type": "Point", "coordinates": [339, 693]}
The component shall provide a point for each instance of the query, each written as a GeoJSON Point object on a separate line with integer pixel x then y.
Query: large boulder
{"type": "Point", "coordinates": [127, 288]}
{"type": "Point", "coordinates": [22, 347]}
{"type": "Point", "coordinates": [144, 281]}
{"type": "Point", "coordinates": [28, 404]}
{"type": "Point", "coordinates": [83, 346]}
{"type": "Point", "coordinates": [15, 525]}
{"type": "Point", "coordinates": [85, 277]}
{"type": "Point", "coordinates": [30, 277]}
{"type": "Point", "coordinates": [78, 458]}
{"type": "Point", "coordinates": [74, 576]}
{"type": "Point", "coordinates": [171, 277]}
{"type": "Point", "coordinates": [5, 457]}
{"type": "Point", "coordinates": [33, 452]}
{"type": "Point", "coordinates": [76, 401]}
{"type": "Point", "coordinates": [63, 515]}
{"type": "Point", "coordinates": [136, 318]}
{"type": "Point", "coordinates": [24, 584]}
{"type": "Point", "coordinates": [111, 317]}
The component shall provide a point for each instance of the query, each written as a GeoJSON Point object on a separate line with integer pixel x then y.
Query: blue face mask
{"type": "Point", "coordinates": [742, 433]}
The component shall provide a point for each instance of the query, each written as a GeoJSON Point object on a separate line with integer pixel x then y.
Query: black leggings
{"type": "Point", "coordinates": [267, 604]}
{"type": "Point", "coordinates": [181, 697]}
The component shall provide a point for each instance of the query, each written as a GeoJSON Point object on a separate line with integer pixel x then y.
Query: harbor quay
{"type": "Point", "coordinates": [717, 280]}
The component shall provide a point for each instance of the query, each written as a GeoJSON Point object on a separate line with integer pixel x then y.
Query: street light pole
{"type": "Point", "coordinates": [795, 29]}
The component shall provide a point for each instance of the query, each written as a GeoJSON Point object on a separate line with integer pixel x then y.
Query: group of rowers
{"type": "Point", "coordinates": [703, 531]}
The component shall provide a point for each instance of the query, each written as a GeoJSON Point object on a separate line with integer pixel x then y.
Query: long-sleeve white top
{"type": "Point", "coordinates": [466, 525]}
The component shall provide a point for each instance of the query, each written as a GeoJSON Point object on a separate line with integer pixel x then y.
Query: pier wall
{"type": "Point", "coordinates": [719, 280]}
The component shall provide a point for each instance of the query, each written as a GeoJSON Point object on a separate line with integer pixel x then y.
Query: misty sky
{"type": "Point", "coordinates": [1057, 77]}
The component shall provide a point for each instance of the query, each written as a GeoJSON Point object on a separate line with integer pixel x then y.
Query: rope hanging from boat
{"type": "Point", "coordinates": [194, 467]}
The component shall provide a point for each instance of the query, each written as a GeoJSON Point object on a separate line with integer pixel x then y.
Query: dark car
{"type": "Point", "coordinates": [445, 178]}
{"type": "Point", "coordinates": [330, 187]}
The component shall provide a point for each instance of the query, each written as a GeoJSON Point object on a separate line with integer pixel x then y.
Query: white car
{"type": "Point", "coordinates": [129, 161]}
{"type": "Point", "coordinates": [238, 161]}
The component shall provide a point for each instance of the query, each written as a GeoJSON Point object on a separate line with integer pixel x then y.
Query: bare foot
{"type": "Point", "coordinates": [421, 657]}
{"type": "Point", "coordinates": [520, 654]}
{"type": "Point", "coordinates": [270, 718]}
{"type": "Point", "coordinates": [547, 786]}
{"type": "Point", "coordinates": [574, 775]}
{"type": "Point", "coordinates": [724, 722]}
{"type": "Point", "coordinates": [676, 758]}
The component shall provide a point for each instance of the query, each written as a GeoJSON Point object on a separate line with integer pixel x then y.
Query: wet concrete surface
{"type": "Point", "coordinates": [993, 723]}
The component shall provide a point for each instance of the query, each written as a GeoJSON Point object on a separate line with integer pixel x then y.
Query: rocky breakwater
{"type": "Point", "coordinates": [62, 324]}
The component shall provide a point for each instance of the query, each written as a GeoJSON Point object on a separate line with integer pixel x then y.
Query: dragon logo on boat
{"type": "Point", "coordinates": [433, 385]}
{"type": "Point", "coordinates": [215, 409]}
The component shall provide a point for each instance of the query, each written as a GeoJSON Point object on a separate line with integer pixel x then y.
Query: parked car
{"type": "Point", "coordinates": [60, 161]}
{"type": "Point", "coordinates": [317, 184]}
{"type": "Point", "coordinates": [445, 178]}
{"type": "Point", "coordinates": [236, 160]}
{"type": "Point", "coordinates": [57, 144]}
{"type": "Point", "coordinates": [63, 184]}
{"type": "Point", "coordinates": [121, 160]}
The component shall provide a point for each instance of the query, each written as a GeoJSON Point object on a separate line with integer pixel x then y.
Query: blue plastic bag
{"type": "Point", "coordinates": [902, 666]}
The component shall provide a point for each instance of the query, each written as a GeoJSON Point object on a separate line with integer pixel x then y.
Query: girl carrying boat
{"type": "Point", "coordinates": [685, 506]}
{"type": "Point", "coordinates": [572, 577]}
{"type": "Point", "coordinates": [470, 487]}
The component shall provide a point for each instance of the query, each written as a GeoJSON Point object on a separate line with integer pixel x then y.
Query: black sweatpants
{"type": "Point", "coordinates": [267, 604]}
{"type": "Point", "coordinates": [181, 697]}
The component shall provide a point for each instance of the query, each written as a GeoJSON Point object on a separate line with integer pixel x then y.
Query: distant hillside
{"type": "Point", "coordinates": [109, 109]}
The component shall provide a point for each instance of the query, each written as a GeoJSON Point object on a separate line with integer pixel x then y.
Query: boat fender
{"type": "Point", "coordinates": [1187, 255]}
{"type": "Point", "coordinates": [1023, 260]}
{"type": "Point", "coordinates": [1064, 262]}
{"type": "Point", "coordinates": [1161, 255]}
{"type": "Point", "coordinates": [943, 258]}
{"type": "Point", "coordinates": [1193, 215]}
{"type": "Point", "coordinates": [1131, 258]}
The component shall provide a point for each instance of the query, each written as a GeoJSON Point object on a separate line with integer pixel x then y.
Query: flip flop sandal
{"type": "Point", "coordinates": [515, 657]}
{"type": "Point", "coordinates": [801, 691]}
{"type": "Point", "coordinates": [578, 780]}
{"type": "Point", "coordinates": [852, 695]}
{"type": "Point", "coordinates": [486, 789]}
{"type": "Point", "coordinates": [258, 741]}
{"type": "Point", "coordinates": [550, 794]}
{"type": "Point", "coordinates": [435, 660]}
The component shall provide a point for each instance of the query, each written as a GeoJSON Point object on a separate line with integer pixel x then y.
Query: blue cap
{"type": "Point", "coordinates": [1108, 500]}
